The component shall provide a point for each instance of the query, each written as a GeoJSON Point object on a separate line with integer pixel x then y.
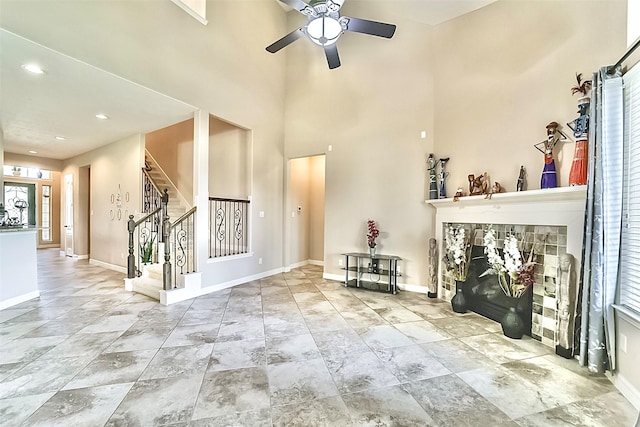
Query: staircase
{"type": "Point", "coordinates": [177, 203]}
{"type": "Point", "coordinates": [148, 279]}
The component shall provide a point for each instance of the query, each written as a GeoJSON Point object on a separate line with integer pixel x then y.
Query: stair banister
{"type": "Point", "coordinates": [166, 229]}
{"type": "Point", "coordinates": [131, 227]}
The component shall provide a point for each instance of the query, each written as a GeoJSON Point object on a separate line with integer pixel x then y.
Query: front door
{"type": "Point", "coordinates": [68, 209]}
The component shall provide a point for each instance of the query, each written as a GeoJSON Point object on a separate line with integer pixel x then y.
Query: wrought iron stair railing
{"type": "Point", "coordinates": [228, 227]}
{"type": "Point", "coordinates": [178, 239]}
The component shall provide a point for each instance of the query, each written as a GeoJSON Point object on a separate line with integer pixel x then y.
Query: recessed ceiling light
{"type": "Point", "coordinates": [102, 116]}
{"type": "Point", "coordinates": [33, 68]}
{"type": "Point", "coordinates": [60, 138]}
{"type": "Point", "coordinates": [33, 152]}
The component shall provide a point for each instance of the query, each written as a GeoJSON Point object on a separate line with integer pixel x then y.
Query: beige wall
{"type": "Point", "coordinates": [115, 168]}
{"type": "Point", "coordinates": [505, 71]}
{"type": "Point", "coordinates": [220, 68]}
{"type": "Point", "coordinates": [371, 111]}
{"type": "Point", "coordinates": [172, 148]}
{"type": "Point", "coordinates": [229, 160]}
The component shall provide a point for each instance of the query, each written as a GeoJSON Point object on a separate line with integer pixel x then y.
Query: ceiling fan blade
{"type": "Point", "coordinates": [298, 5]}
{"type": "Point", "coordinates": [332, 56]}
{"type": "Point", "coordinates": [285, 41]}
{"type": "Point", "coordinates": [335, 5]}
{"type": "Point", "coordinates": [373, 28]}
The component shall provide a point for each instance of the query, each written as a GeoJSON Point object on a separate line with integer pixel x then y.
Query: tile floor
{"type": "Point", "coordinates": [289, 350]}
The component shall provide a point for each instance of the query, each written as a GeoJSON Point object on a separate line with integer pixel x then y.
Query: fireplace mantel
{"type": "Point", "coordinates": [562, 206]}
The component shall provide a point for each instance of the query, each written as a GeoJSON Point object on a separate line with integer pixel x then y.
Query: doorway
{"type": "Point", "coordinates": [68, 215]}
{"type": "Point", "coordinates": [20, 203]}
{"type": "Point", "coordinates": [305, 211]}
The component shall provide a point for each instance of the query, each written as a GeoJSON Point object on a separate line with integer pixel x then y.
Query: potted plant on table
{"type": "Point", "coordinates": [372, 235]}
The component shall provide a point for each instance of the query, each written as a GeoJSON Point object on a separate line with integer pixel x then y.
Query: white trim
{"type": "Point", "coordinates": [180, 294]}
{"type": "Point", "coordinates": [627, 389]}
{"type": "Point", "coordinates": [19, 299]}
{"type": "Point", "coordinates": [229, 258]}
{"type": "Point", "coordinates": [408, 287]}
{"type": "Point", "coordinates": [629, 315]}
{"type": "Point", "coordinates": [191, 12]}
{"type": "Point", "coordinates": [316, 262]}
{"type": "Point", "coordinates": [108, 266]}
{"type": "Point", "coordinates": [80, 256]}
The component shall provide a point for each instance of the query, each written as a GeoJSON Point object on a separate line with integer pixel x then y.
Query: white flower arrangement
{"type": "Point", "coordinates": [514, 276]}
{"type": "Point", "coordinates": [458, 243]}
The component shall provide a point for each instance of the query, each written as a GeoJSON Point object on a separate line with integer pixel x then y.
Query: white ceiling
{"type": "Point", "coordinates": [34, 109]}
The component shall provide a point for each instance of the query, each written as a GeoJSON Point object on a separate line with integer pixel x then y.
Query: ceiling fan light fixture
{"type": "Point", "coordinates": [324, 30]}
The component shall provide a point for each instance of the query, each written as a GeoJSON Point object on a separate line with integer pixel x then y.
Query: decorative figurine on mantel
{"type": "Point", "coordinates": [496, 188]}
{"type": "Point", "coordinates": [521, 184]}
{"type": "Point", "coordinates": [478, 184]}
{"type": "Point", "coordinates": [580, 128]}
{"type": "Point", "coordinates": [459, 193]}
{"type": "Point", "coordinates": [549, 178]}
{"type": "Point", "coordinates": [443, 175]}
{"type": "Point", "coordinates": [433, 183]}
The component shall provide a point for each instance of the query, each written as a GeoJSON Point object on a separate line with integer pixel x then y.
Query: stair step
{"type": "Point", "coordinates": [152, 271]}
{"type": "Point", "coordinates": [148, 287]}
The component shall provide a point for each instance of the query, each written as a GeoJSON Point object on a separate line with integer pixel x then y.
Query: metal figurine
{"type": "Point", "coordinates": [478, 184]}
{"type": "Point", "coordinates": [580, 128]}
{"type": "Point", "coordinates": [433, 182]}
{"type": "Point", "coordinates": [549, 178]}
{"type": "Point", "coordinates": [443, 175]}
{"type": "Point", "coordinates": [521, 180]}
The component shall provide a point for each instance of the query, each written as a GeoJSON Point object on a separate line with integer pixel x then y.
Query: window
{"type": "Point", "coordinates": [630, 242]}
{"type": "Point", "coordinates": [35, 173]}
{"type": "Point", "coordinates": [46, 213]}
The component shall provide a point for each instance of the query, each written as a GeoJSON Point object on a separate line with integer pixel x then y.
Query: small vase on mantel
{"type": "Point", "coordinates": [372, 251]}
{"type": "Point", "coordinates": [459, 301]}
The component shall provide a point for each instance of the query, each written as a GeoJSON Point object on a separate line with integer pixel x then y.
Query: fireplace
{"type": "Point", "coordinates": [550, 219]}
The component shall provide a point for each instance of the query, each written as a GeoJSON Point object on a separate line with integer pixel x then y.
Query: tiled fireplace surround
{"type": "Point", "coordinates": [553, 219]}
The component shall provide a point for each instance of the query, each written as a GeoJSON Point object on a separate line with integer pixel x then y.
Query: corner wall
{"type": "Point", "coordinates": [505, 71]}
{"type": "Point", "coordinates": [371, 111]}
{"type": "Point", "coordinates": [115, 173]}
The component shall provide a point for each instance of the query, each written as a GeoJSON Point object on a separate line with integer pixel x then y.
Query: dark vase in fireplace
{"type": "Point", "coordinates": [483, 294]}
{"type": "Point", "coordinates": [459, 301]}
{"type": "Point", "coordinates": [512, 324]}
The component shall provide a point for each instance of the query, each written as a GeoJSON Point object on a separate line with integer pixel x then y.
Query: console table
{"type": "Point", "coordinates": [374, 268]}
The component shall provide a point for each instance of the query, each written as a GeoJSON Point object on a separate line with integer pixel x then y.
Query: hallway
{"type": "Point", "coordinates": [289, 350]}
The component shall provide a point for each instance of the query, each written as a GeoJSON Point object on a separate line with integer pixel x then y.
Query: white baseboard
{"type": "Point", "coordinates": [303, 263]}
{"type": "Point", "coordinates": [408, 287]}
{"type": "Point", "coordinates": [180, 294]}
{"type": "Point", "coordinates": [331, 276]}
{"type": "Point", "coordinates": [19, 299]}
{"type": "Point", "coordinates": [108, 266]}
{"type": "Point", "coordinates": [627, 389]}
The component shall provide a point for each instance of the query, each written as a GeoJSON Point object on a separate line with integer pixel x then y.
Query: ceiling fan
{"type": "Point", "coordinates": [325, 26]}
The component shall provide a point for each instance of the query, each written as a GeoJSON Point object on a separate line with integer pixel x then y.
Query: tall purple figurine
{"type": "Point", "coordinates": [549, 178]}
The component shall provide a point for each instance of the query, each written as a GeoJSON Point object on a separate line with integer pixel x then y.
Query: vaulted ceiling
{"type": "Point", "coordinates": [64, 101]}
